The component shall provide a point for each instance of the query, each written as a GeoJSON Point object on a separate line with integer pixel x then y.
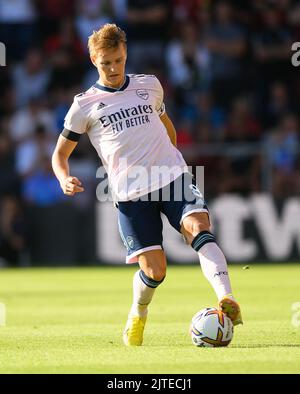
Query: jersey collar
{"type": "Point", "coordinates": [112, 90]}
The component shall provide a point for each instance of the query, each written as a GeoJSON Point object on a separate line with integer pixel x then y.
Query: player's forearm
{"type": "Point", "coordinates": [60, 157]}
{"type": "Point", "coordinates": [60, 166]}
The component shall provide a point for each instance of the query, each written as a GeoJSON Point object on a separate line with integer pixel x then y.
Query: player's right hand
{"type": "Point", "coordinates": [71, 185]}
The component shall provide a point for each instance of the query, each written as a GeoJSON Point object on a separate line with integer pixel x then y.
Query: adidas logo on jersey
{"type": "Point", "coordinates": [101, 105]}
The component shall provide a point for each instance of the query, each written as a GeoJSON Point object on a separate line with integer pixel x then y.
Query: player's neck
{"type": "Point", "coordinates": [110, 85]}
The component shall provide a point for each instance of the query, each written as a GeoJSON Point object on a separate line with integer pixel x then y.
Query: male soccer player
{"type": "Point", "coordinates": [126, 121]}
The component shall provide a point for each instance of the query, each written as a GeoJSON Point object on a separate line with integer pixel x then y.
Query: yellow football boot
{"type": "Point", "coordinates": [231, 309]}
{"type": "Point", "coordinates": [134, 330]}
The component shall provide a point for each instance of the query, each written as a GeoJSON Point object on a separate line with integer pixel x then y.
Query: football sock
{"type": "Point", "coordinates": [213, 263]}
{"type": "Point", "coordinates": [143, 290]}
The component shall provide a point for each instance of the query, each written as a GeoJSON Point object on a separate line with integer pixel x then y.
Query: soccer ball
{"type": "Point", "coordinates": [211, 328]}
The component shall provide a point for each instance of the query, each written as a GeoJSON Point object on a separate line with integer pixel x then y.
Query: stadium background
{"type": "Point", "coordinates": [230, 89]}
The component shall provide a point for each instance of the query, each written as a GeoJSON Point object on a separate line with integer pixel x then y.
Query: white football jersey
{"type": "Point", "coordinates": [125, 128]}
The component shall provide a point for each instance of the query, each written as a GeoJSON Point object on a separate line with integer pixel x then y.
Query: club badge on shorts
{"type": "Point", "coordinates": [130, 242]}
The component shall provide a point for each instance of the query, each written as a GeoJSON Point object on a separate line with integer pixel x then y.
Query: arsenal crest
{"type": "Point", "coordinates": [143, 94]}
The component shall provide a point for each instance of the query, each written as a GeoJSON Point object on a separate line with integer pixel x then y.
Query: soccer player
{"type": "Point", "coordinates": [126, 121]}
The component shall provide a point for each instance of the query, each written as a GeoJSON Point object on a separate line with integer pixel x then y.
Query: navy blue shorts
{"type": "Point", "coordinates": [140, 222]}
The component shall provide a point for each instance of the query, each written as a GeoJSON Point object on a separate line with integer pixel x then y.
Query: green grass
{"type": "Point", "coordinates": [71, 321]}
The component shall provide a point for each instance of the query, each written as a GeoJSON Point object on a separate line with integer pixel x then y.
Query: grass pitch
{"type": "Point", "coordinates": [71, 321]}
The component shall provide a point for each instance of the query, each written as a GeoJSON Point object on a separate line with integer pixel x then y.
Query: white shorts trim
{"type": "Point", "coordinates": [193, 211]}
{"type": "Point", "coordinates": [133, 258]}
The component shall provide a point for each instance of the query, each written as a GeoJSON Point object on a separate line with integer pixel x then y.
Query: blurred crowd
{"type": "Point", "coordinates": [230, 89]}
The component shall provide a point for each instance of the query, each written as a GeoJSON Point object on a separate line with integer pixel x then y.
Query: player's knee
{"type": "Point", "coordinates": [192, 232]}
{"type": "Point", "coordinates": [195, 224]}
{"type": "Point", "coordinates": [198, 227]}
{"type": "Point", "coordinates": [154, 265]}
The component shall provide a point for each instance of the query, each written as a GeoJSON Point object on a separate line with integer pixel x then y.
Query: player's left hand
{"type": "Point", "coordinates": [71, 185]}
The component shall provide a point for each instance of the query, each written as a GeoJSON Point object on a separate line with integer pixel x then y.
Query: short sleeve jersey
{"type": "Point", "coordinates": [125, 128]}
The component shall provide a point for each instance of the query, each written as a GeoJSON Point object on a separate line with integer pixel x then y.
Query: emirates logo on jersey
{"type": "Point", "coordinates": [143, 94]}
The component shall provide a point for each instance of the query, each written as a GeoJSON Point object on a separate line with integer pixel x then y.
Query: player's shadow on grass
{"type": "Point", "coordinates": [256, 346]}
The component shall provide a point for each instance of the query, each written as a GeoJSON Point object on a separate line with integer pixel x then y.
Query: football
{"type": "Point", "coordinates": [211, 328]}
